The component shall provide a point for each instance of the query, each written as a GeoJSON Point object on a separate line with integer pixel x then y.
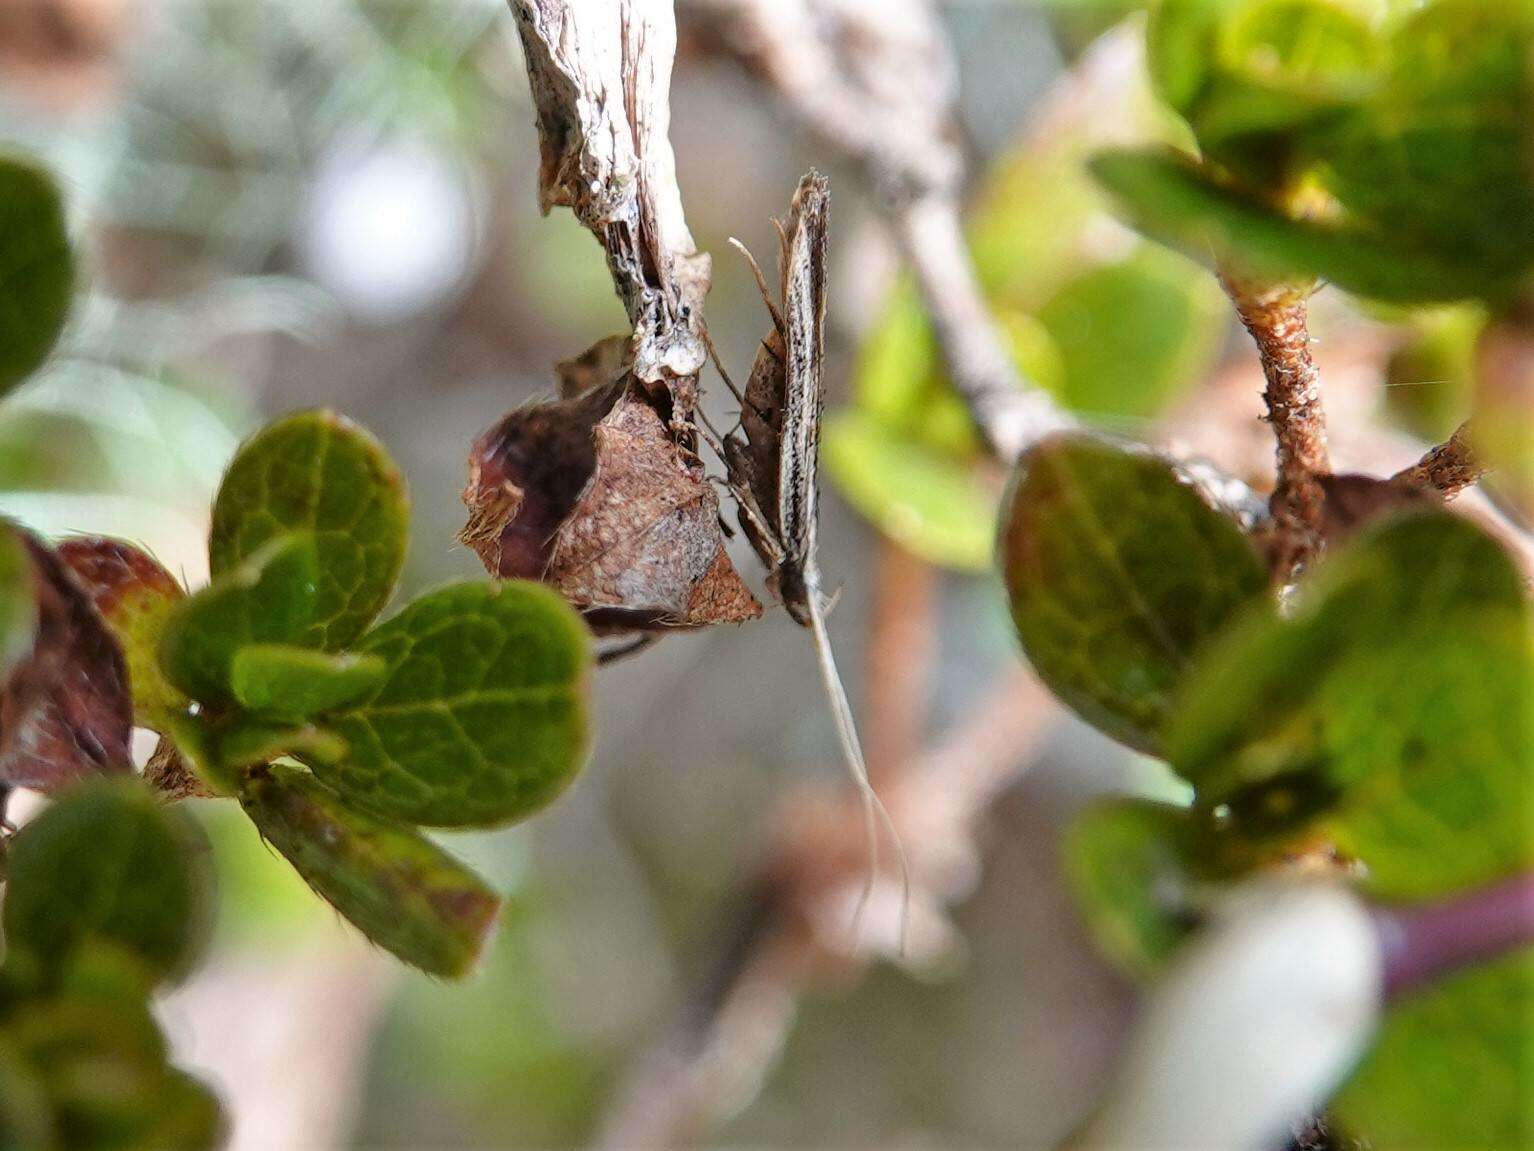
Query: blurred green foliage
{"type": "Point", "coordinates": [107, 897]}
{"type": "Point", "coordinates": [1388, 711]}
{"type": "Point", "coordinates": [1382, 146]}
{"type": "Point", "coordinates": [1116, 329]}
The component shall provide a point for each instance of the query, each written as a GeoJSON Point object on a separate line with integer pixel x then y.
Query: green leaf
{"type": "Point", "coordinates": [1452, 1065]}
{"type": "Point", "coordinates": [1134, 335]}
{"type": "Point", "coordinates": [268, 598]}
{"type": "Point", "coordinates": [1118, 569]}
{"type": "Point", "coordinates": [1440, 156]}
{"type": "Point", "coordinates": [317, 473]}
{"type": "Point", "coordinates": [297, 682]}
{"type": "Point", "coordinates": [482, 719]}
{"type": "Point", "coordinates": [36, 269]}
{"type": "Point", "coordinates": [1126, 866]}
{"type": "Point", "coordinates": [26, 1114]}
{"type": "Point", "coordinates": [106, 863]}
{"type": "Point", "coordinates": [1172, 199]}
{"type": "Point", "coordinates": [395, 886]}
{"type": "Point", "coordinates": [247, 741]}
{"type": "Point", "coordinates": [934, 505]}
{"type": "Point", "coordinates": [101, 1059]}
{"type": "Point", "coordinates": [1241, 68]}
{"type": "Point", "coordinates": [1392, 712]}
{"type": "Point", "coordinates": [135, 595]}
{"type": "Point", "coordinates": [1430, 376]}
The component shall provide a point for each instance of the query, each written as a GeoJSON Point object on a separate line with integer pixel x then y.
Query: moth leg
{"type": "Point", "coordinates": [761, 283]}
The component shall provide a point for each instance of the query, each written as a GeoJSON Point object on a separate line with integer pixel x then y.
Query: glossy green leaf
{"type": "Point", "coordinates": [135, 595]}
{"type": "Point", "coordinates": [1126, 866]}
{"type": "Point", "coordinates": [936, 506]}
{"type": "Point", "coordinates": [1392, 712]}
{"type": "Point", "coordinates": [268, 598]}
{"type": "Point", "coordinates": [398, 888]}
{"type": "Point", "coordinates": [1453, 1066]}
{"type": "Point", "coordinates": [298, 682]}
{"type": "Point", "coordinates": [36, 269]}
{"type": "Point", "coordinates": [482, 718]}
{"type": "Point", "coordinates": [1170, 198]}
{"type": "Point", "coordinates": [318, 473]}
{"type": "Point", "coordinates": [106, 862]}
{"type": "Point", "coordinates": [1118, 570]}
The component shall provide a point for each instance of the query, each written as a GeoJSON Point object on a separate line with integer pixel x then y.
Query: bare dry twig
{"type": "Point", "coordinates": [1449, 468]}
{"type": "Point", "coordinates": [601, 77]}
{"type": "Point", "coordinates": [877, 82]}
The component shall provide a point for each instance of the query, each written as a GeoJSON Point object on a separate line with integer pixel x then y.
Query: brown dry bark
{"type": "Point", "coordinates": [1276, 315]}
{"type": "Point", "coordinates": [1449, 468]}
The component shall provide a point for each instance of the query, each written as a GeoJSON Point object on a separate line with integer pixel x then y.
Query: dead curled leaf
{"type": "Point", "coordinates": [594, 495]}
{"type": "Point", "coordinates": [65, 711]}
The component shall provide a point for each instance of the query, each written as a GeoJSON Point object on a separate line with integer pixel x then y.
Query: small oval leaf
{"type": "Point", "coordinates": [298, 682]}
{"type": "Point", "coordinates": [268, 598]}
{"type": "Point", "coordinates": [1118, 569]}
{"type": "Point", "coordinates": [134, 594]}
{"type": "Point", "coordinates": [36, 269]}
{"type": "Point", "coordinates": [1391, 712]}
{"type": "Point", "coordinates": [320, 474]}
{"type": "Point", "coordinates": [395, 886]}
{"type": "Point", "coordinates": [107, 863]}
{"type": "Point", "coordinates": [1127, 867]}
{"type": "Point", "coordinates": [482, 717]}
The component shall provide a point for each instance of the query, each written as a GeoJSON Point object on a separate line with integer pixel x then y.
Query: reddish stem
{"type": "Point", "coordinates": [1425, 943]}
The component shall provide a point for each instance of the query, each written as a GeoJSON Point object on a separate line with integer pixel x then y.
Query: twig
{"type": "Point", "coordinates": [876, 81]}
{"type": "Point", "coordinates": [1010, 413]}
{"type": "Point", "coordinates": [726, 1036]}
{"type": "Point", "coordinates": [600, 76]}
{"type": "Point", "coordinates": [901, 649]}
{"type": "Point", "coordinates": [1449, 468]}
{"type": "Point", "coordinates": [1276, 317]}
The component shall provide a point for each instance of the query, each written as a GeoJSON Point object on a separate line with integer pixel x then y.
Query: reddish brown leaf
{"type": "Point", "coordinates": [594, 494]}
{"type": "Point", "coordinates": [65, 711]}
{"type": "Point", "coordinates": [133, 594]}
{"type": "Point", "coordinates": [643, 547]}
{"type": "Point", "coordinates": [525, 475]}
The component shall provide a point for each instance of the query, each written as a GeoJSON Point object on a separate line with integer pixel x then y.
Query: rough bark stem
{"type": "Point", "coordinates": [1276, 315]}
{"type": "Point", "coordinates": [1449, 468]}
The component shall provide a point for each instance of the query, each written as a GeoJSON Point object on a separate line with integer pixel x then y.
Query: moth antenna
{"type": "Point", "coordinates": [761, 281]}
{"type": "Point", "coordinates": [713, 354]}
{"type": "Point", "coordinates": [874, 811]}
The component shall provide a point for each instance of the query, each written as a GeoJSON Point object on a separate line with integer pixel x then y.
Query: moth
{"type": "Point", "coordinates": [772, 463]}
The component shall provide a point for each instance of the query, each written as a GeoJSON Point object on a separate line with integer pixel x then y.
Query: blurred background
{"type": "Point", "coordinates": [333, 202]}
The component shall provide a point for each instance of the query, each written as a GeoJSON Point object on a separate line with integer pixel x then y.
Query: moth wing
{"type": "Point", "coordinates": [804, 307]}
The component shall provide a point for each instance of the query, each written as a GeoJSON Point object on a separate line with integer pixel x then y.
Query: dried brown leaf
{"type": "Point", "coordinates": [643, 547]}
{"type": "Point", "coordinates": [65, 711]}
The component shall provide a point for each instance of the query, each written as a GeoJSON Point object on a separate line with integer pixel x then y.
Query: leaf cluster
{"type": "Point", "coordinates": [1379, 725]}
{"type": "Point", "coordinates": [107, 899]}
{"type": "Point", "coordinates": [1377, 144]}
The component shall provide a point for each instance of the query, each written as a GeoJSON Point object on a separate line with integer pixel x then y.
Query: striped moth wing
{"type": "Point", "coordinates": [773, 458]}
